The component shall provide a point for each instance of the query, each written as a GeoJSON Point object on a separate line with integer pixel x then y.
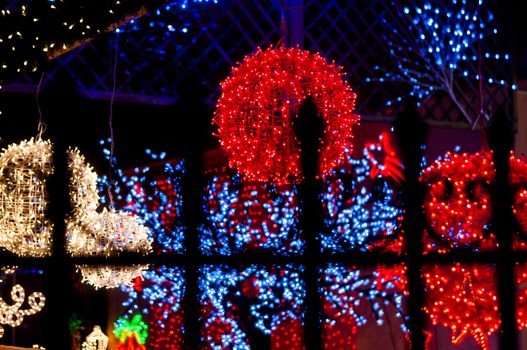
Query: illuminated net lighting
{"type": "Point", "coordinates": [96, 340]}
{"type": "Point", "coordinates": [172, 18]}
{"type": "Point", "coordinates": [108, 234]}
{"type": "Point", "coordinates": [13, 315]}
{"type": "Point", "coordinates": [243, 216]}
{"type": "Point", "coordinates": [242, 307]}
{"type": "Point", "coordinates": [350, 295]}
{"type": "Point", "coordinates": [261, 99]}
{"type": "Point", "coordinates": [155, 196]}
{"type": "Point", "coordinates": [24, 227]}
{"type": "Point", "coordinates": [157, 296]}
{"type": "Point", "coordinates": [359, 201]}
{"type": "Point", "coordinates": [457, 203]}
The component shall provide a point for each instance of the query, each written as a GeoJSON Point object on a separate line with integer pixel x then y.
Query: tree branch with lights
{"type": "Point", "coordinates": [438, 47]}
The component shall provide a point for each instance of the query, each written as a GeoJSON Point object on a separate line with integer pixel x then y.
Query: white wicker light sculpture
{"type": "Point", "coordinates": [101, 234]}
{"type": "Point", "coordinates": [96, 340]}
{"type": "Point", "coordinates": [12, 315]}
{"type": "Point", "coordinates": [24, 168]}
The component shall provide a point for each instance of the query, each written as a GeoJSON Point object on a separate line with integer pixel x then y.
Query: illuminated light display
{"type": "Point", "coordinates": [96, 340]}
{"type": "Point", "coordinates": [443, 38]}
{"type": "Point", "coordinates": [34, 33]}
{"type": "Point", "coordinates": [157, 297]}
{"type": "Point", "coordinates": [463, 297]}
{"type": "Point", "coordinates": [131, 334]}
{"type": "Point", "coordinates": [457, 203]}
{"type": "Point", "coordinates": [518, 179]}
{"type": "Point", "coordinates": [155, 196]}
{"type": "Point", "coordinates": [242, 216]}
{"type": "Point", "coordinates": [13, 315]}
{"type": "Point", "coordinates": [350, 293]}
{"type": "Point", "coordinates": [83, 186]}
{"type": "Point", "coordinates": [260, 101]}
{"type": "Point", "coordinates": [101, 234]}
{"type": "Point", "coordinates": [24, 169]}
{"type": "Point", "coordinates": [171, 18]}
{"type": "Point", "coordinates": [360, 200]}
{"type": "Point", "coordinates": [246, 306]}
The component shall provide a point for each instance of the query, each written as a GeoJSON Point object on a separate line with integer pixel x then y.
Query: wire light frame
{"type": "Point", "coordinates": [24, 228]}
{"type": "Point", "coordinates": [260, 101]}
{"type": "Point", "coordinates": [108, 233]}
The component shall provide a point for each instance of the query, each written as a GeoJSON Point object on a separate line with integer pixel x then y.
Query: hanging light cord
{"type": "Point", "coordinates": [283, 26]}
{"type": "Point", "coordinates": [110, 121]}
{"type": "Point", "coordinates": [41, 128]}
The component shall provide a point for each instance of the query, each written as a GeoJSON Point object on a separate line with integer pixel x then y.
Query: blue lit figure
{"type": "Point", "coordinates": [435, 45]}
{"type": "Point", "coordinates": [241, 217]}
{"type": "Point", "coordinates": [360, 203]}
{"type": "Point", "coordinates": [244, 306]}
{"type": "Point", "coordinates": [155, 196]}
{"type": "Point", "coordinates": [358, 293]}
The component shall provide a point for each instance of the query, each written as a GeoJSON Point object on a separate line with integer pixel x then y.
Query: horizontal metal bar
{"type": "Point", "coordinates": [357, 259]}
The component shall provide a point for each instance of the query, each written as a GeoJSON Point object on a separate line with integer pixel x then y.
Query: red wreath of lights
{"type": "Point", "coordinates": [260, 100]}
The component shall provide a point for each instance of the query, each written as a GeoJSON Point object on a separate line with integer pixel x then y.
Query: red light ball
{"type": "Point", "coordinates": [259, 102]}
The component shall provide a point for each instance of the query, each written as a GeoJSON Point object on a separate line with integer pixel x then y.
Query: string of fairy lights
{"type": "Point", "coordinates": [437, 44]}
{"type": "Point", "coordinates": [34, 33]}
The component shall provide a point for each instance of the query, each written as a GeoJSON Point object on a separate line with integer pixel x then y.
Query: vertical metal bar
{"type": "Point", "coordinates": [500, 136]}
{"type": "Point", "coordinates": [308, 128]}
{"type": "Point", "coordinates": [192, 106]}
{"type": "Point", "coordinates": [295, 22]}
{"type": "Point", "coordinates": [411, 134]}
{"type": "Point", "coordinates": [60, 285]}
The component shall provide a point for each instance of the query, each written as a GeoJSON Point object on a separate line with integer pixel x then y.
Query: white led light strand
{"type": "Point", "coordinates": [12, 315]}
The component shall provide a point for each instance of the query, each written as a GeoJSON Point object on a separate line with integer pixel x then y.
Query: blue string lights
{"type": "Point", "coordinates": [155, 196]}
{"type": "Point", "coordinates": [242, 305]}
{"type": "Point", "coordinates": [437, 44]}
{"type": "Point", "coordinates": [177, 17]}
{"type": "Point", "coordinates": [359, 203]}
{"type": "Point", "coordinates": [245, 216]}
{"type": "Point", "coordinates": [346, 290]}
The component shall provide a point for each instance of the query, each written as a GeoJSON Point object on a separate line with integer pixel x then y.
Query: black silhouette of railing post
{"type": "Point", "coordinates": [500, 137]}
{"type": "Point", "coordinates": [309, 128]}
{"type": "Point", "coordinates": [410, 131]}
{"type": "Point", "coordinates": [191, 106]}
{"type": "Point", "coordinates": [59, 267]}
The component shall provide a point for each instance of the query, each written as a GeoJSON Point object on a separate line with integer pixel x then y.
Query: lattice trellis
{"type": "Point", "coordinates": [152, 65]}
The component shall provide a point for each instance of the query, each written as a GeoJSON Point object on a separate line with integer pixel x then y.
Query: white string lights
{"type": "Point", "coordinates": [25, 230]}
{"type": "Point", "coordinates": [96, 340]}
{"type": "Point", "coordinates": [12, 315]}
{"type": "Point", "coordinates": [101, 234]}
{"type": "Point", "coordinates": [24, 168]}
